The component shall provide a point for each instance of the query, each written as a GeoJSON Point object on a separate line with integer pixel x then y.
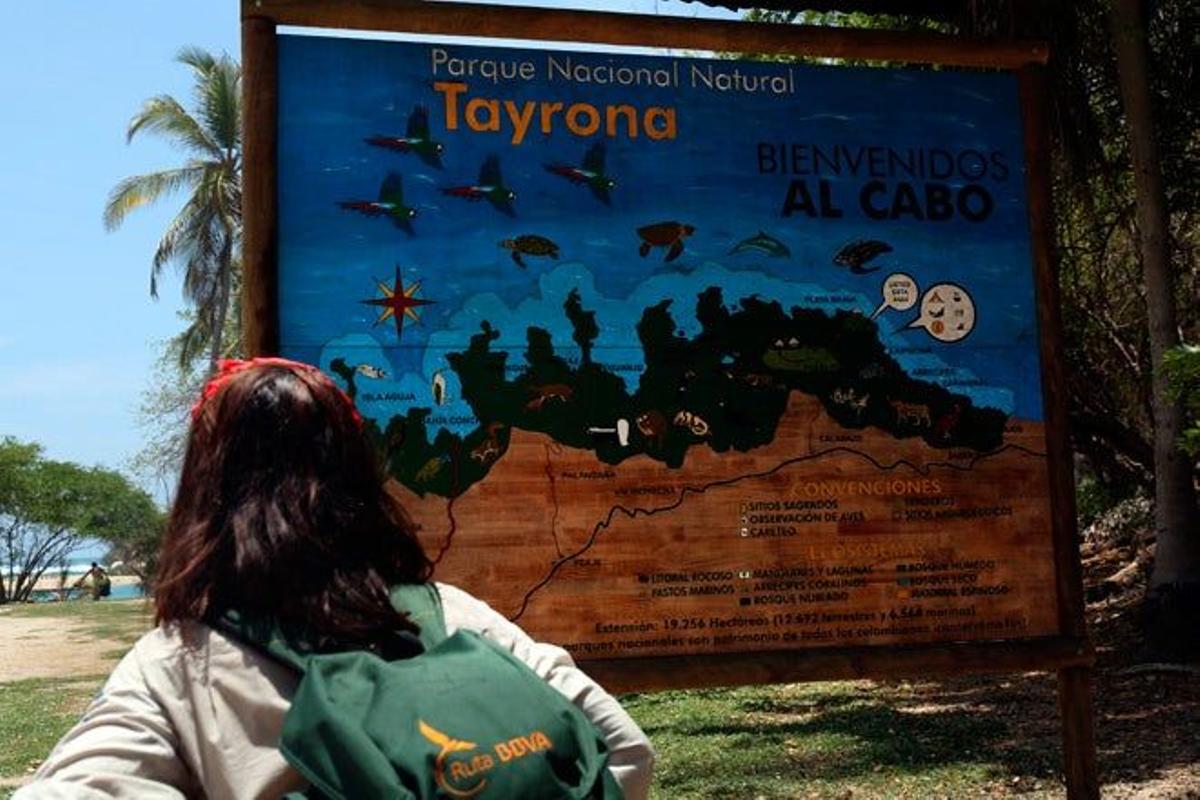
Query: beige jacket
{"type": "Point", "coordinates": [204, 721]}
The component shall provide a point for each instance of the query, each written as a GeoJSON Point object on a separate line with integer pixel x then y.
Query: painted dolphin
{"type": "Point", "coordinates": [764, 243]}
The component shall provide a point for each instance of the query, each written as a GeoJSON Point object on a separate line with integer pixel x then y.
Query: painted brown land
{"type": "Point", "coordinates": [824, 536]}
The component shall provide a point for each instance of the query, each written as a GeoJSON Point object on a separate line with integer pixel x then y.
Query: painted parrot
{"type": "Point", "coordinates": [591, 173]}
{"type": "Point", "coordinates": [415, 139]}
{"type": "Point", "coordinates": [390, 204]}
{"type": "Point", "coordinates": [490, 187]}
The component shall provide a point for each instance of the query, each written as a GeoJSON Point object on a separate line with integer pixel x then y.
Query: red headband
{"type": "Point", "coordinates": [228, 367]}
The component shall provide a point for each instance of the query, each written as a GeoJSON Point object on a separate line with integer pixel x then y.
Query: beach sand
{"type": "Point", "coordinates": [50, 583]}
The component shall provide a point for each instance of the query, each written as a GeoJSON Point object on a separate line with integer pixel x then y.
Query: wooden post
{"type": "Point", "coordinates": [1074, 683]}
{"type": "Point", "coordinates": [1078, 733]}
{"type": "Point", "coordinates": [260, 307]}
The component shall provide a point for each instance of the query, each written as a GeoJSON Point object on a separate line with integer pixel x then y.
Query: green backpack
{"type": "Point", "coordinates": [464, 719]}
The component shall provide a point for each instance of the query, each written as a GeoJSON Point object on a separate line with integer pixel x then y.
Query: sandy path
{"type": "Point", "coordinates": [51, 648]}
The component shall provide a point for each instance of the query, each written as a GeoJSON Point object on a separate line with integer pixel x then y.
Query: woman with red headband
{"type": "Point", "coordinates": [281, 513]}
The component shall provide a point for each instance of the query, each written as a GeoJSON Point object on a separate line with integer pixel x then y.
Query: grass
{"type": "Point", "coordinates": [820, 740]}
{"type": "Point", "coordinates": [829, 740]}
{"type": "Point", "coordinates": [34, 714]}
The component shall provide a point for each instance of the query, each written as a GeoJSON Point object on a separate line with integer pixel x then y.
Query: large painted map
{"type": "Point", "coordinates": [673, 355]}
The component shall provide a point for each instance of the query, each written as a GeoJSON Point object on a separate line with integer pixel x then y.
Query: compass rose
{"type": "Point", "coordinates": [398, 302]}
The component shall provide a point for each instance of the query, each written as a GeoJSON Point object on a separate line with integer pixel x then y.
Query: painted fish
{"type": "Point", "coordinates": [490, 187]}
{"type": "Point", "coordinates": [415, 139]}
{"type": "Point", "coordinates": [590, 173]}
{"type": "Point", "coordinates": [370, 371]}
{"type": "Point", "coordinates": [856, 254]}
{"type": "Point", "coordinates": [390, 204]}
{"type": "Point", "coordinates": [763, 243]}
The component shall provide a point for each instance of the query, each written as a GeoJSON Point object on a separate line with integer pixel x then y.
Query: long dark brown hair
{"type": "Point", "coordinates": [281, 513]}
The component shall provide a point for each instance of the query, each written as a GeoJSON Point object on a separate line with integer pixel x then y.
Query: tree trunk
{"type": "Point", "coordinates": [217, 334]}
{"type": "Point", "coordinates": [1175, 582]}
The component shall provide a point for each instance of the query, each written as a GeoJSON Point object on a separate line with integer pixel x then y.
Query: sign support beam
{"type": "Point", "coordinates": [260, 313]}
{"type": "Point", "coordinates": [646, 30]}
{"type": "Point", "coordinates": [1074, 682]}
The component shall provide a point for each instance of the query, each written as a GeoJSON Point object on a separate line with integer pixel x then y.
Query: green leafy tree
{"type": "Point", "coordinates": [1183, 371]}
{"type": "Point", "coordinates": [1175, 582]}
{"type": "Point", "coordinates": [49, 509]}
{"type": "Point", "coordinates": [204, 238]}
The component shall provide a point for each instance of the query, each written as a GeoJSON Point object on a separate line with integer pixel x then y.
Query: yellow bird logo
{"type": "Point", "coordinates": [449, 745]}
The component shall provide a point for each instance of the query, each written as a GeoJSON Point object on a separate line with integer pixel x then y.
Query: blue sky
{"type": "Point", "coordinates": [78, 330]}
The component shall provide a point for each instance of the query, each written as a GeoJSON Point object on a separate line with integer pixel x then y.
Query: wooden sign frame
{"type": "Point", "coordinates": [1069, 651]}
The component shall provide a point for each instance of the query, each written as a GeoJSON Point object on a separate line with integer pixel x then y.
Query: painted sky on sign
{"type": "Point", "coordinates": [336, 93]}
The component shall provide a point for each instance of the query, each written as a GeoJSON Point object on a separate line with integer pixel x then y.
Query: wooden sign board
{"type": "Point", "coordinates": [710, 371]}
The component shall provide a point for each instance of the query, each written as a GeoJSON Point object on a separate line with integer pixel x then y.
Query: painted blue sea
{"type": "Point", "coordinates": [864, 145]}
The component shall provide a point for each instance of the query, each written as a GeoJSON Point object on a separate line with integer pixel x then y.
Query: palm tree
{"type": "Point", "coordinates": [204, 238]}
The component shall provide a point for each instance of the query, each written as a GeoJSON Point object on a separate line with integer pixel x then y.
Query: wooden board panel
{"type": "Point", "coordinates": [827, 664]}
{"type": "Point", "coordinates": [709, 440]}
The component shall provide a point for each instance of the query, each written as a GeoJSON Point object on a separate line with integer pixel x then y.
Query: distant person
{"type": "Point", "coordinates": [281, 514]}
{"type": "Point", "coordinates": [101, 584]}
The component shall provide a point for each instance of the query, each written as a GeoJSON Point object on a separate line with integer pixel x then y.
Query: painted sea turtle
{"type": "Point", "coordinates": [664, 234]}
{"type": "Point", "coordinates": [855, 255]}
{"type": "Point", "coordinates": [530, 245]}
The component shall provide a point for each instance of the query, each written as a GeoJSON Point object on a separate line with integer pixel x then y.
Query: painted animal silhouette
{"type": "Point", "coordinates": [911, 413]}
{"type": "Point", "coordinates": [686, 419]}
{"type": "Point", "coordinates": [489, 449]}
{"type": "Point", "coordinates": [851, 399]}
{"type": "Point", "coordinates": [946, 423]}
{"type": "Point", "coordinates": [549, 391]}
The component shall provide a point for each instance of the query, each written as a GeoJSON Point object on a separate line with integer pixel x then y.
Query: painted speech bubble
{"type": "Point", "coordinates": [947, 312]}
{"type": "Point", "coordinates": [899, 292]}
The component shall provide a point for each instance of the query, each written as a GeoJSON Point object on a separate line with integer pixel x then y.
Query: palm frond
{"type": "Point", "coordinates": [164, 115]}
{"type": "Point", "coordinates": [197, 58]}
{"type": "Point", "coordinates": [193, 341]}
{"type": "Point", "coordinates": [174, 240]}
{"type": "Point", "coordinates": [218, 99]}
{"type": "Point", "coordinates": [203, 240]}
{"type": "Point", "coordinates": [139, 190]}
{"type": "Point", "coordinates": [198, 236]}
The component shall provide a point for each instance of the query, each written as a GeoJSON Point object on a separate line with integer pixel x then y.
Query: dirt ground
{"type": "Point", "coordinates": [51, 647]}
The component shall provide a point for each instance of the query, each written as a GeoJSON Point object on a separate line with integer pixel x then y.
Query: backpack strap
{"type": "Point", "coordinates": [263, 635]}
{"type": "Point", "coordinates": [420, 600]}
{"type": "Point", "coordinates": [423, 605]}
